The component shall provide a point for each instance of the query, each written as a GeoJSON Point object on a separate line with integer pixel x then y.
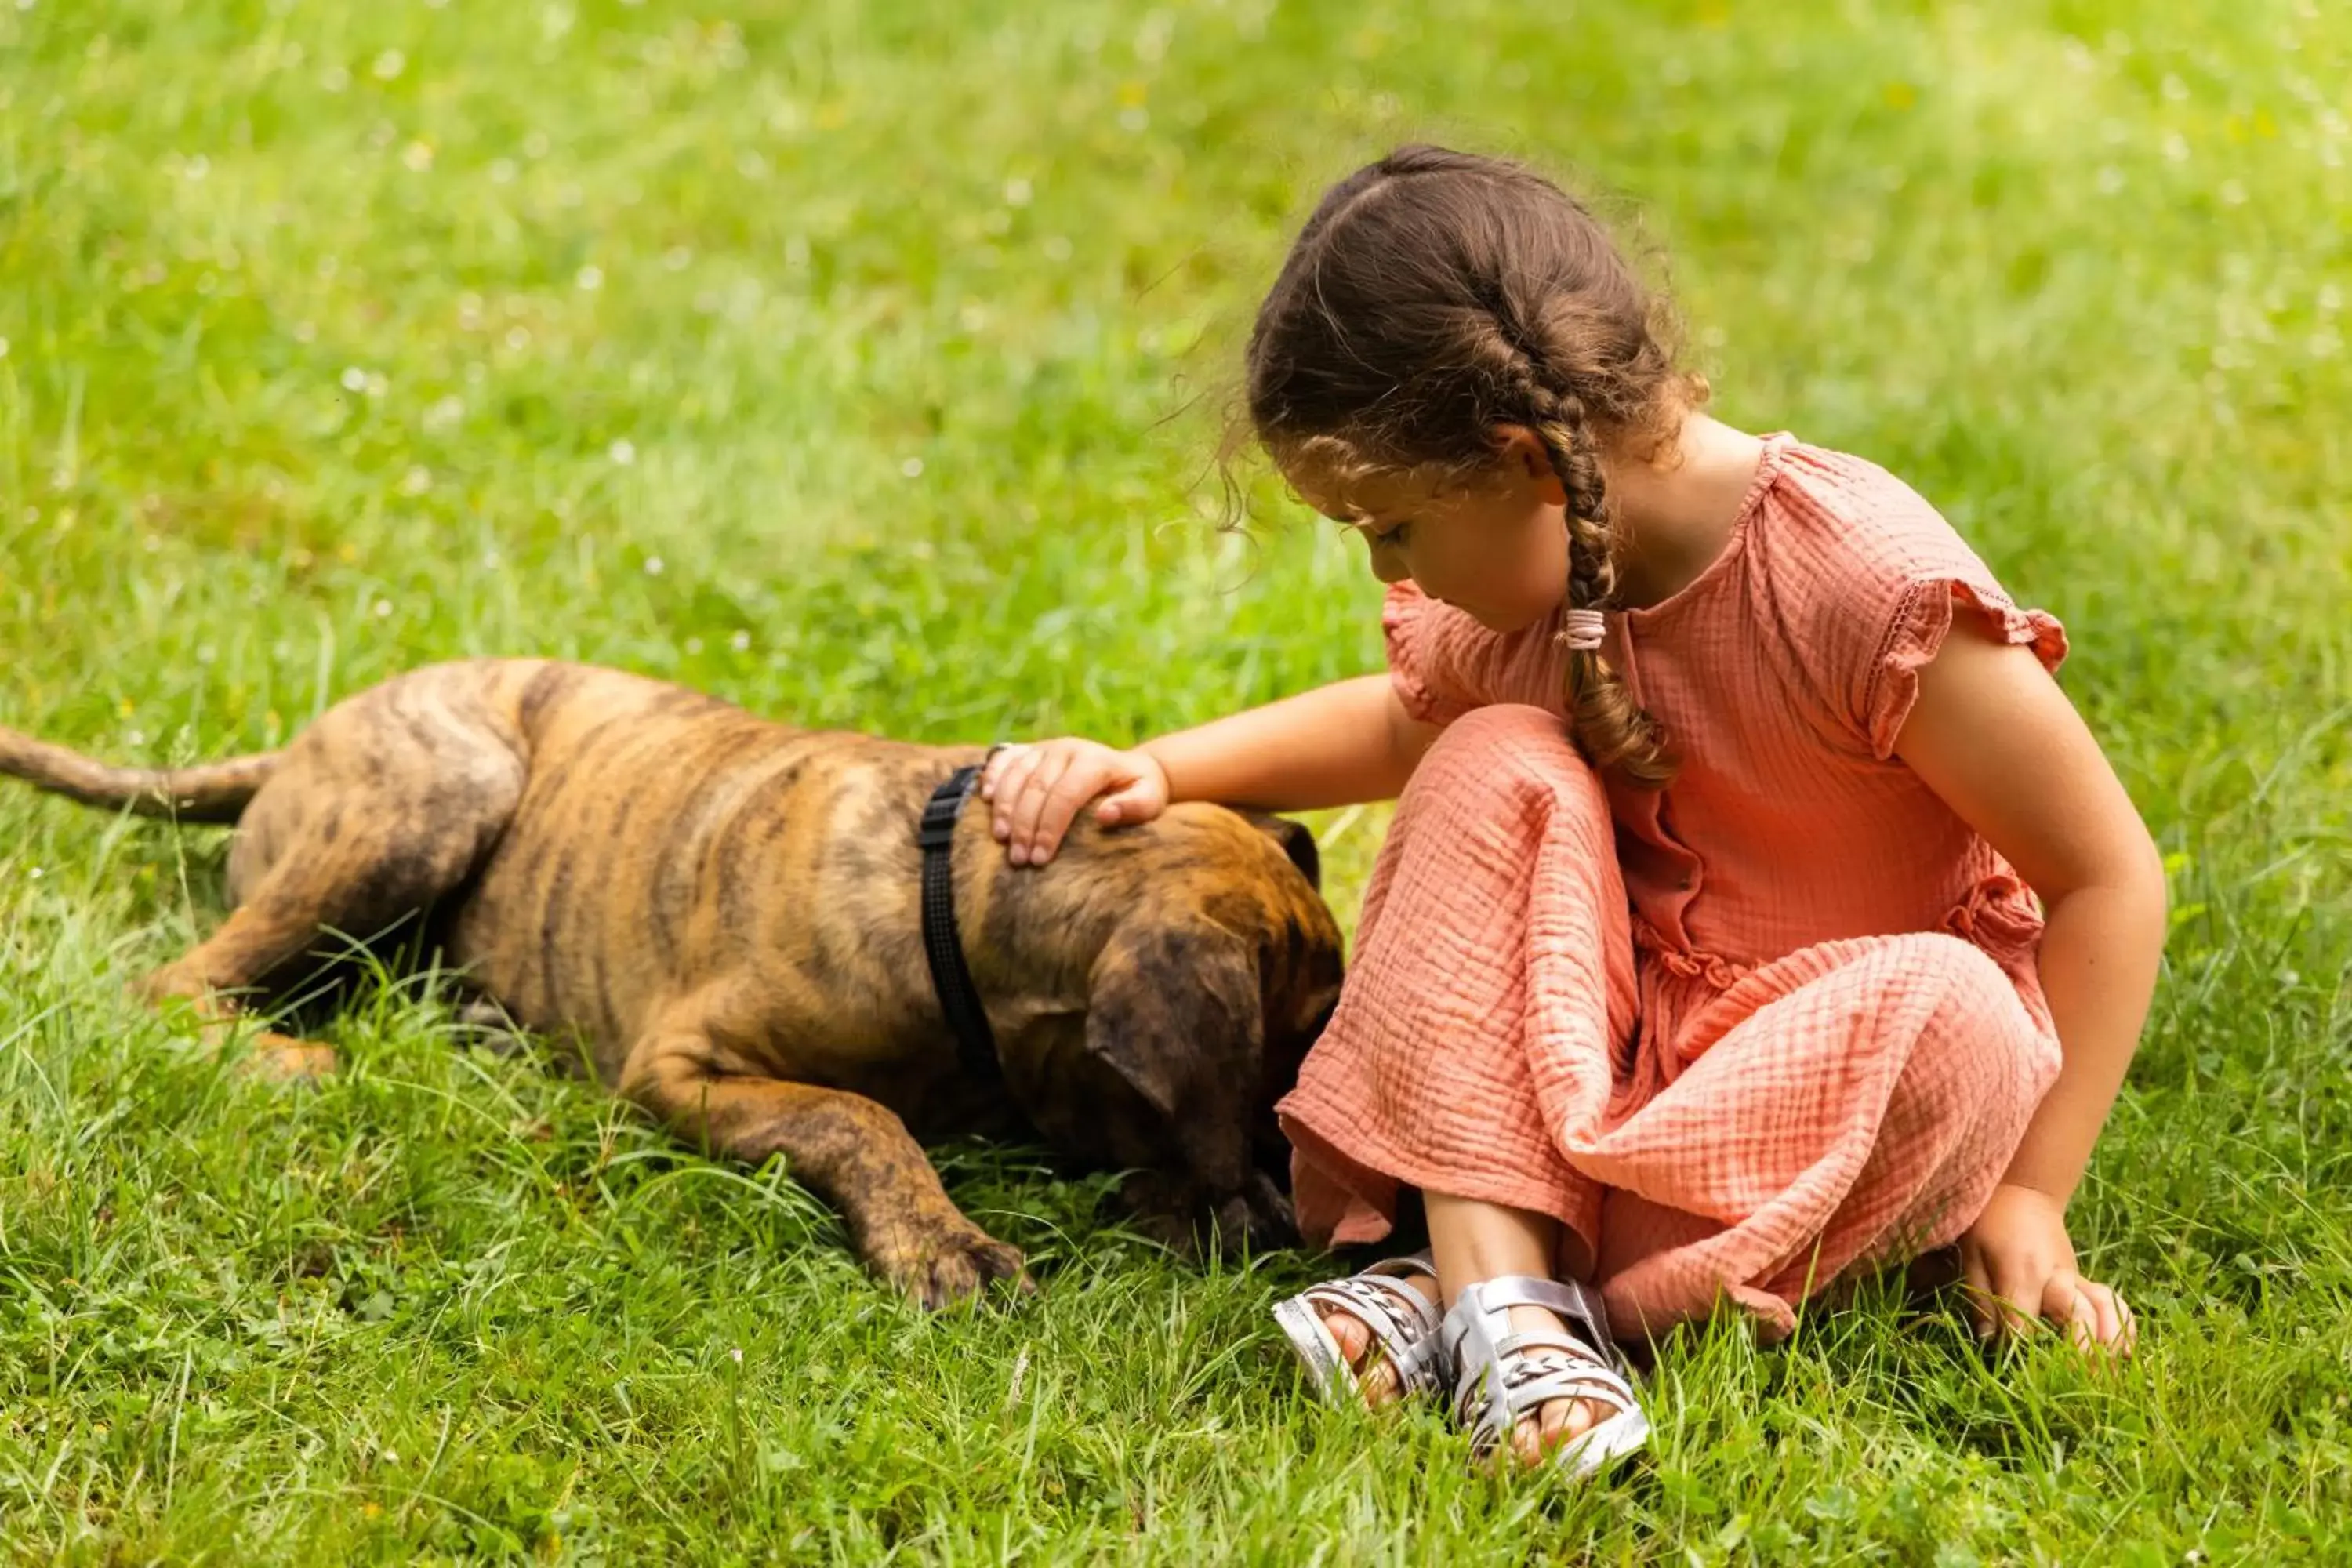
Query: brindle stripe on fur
{"type": "Point", "coordinates": [553, 901]}
{"type": "Point", "coordinates": [740, 884]}
{"type": "Point", "coordinates": [553, 686]}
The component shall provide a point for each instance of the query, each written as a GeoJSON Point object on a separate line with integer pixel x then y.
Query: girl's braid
{"type": "Point", "coordinates": [1614, 730]}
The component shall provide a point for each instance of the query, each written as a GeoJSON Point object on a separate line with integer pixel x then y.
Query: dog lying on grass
{"type": "Point", "coordinates": [723, 914]}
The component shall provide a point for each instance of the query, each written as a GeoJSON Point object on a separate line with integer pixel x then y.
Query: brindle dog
{"type": "Point", "coordinates": [723, 914]}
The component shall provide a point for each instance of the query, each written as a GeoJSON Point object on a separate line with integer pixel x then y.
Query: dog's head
{"type": "Point", "coordinates": [1203, 1003]}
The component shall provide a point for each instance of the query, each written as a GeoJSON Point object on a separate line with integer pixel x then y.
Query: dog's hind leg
{"type": "Point", "coordinates": [255, 942]}
{"type": "Point", "coordinates": [848, 1150]}
{"type": "Point", "coordinates": [354, 848]}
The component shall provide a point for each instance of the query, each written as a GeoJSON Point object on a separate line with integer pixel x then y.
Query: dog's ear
{"type": "Point", "coordinates": [1175, 1010]}
{"type": "Point", "coordinates": [1294, 840]}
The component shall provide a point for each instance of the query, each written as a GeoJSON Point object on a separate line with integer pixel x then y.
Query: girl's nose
{"type": "Point", "coordinates": [1388, 565]}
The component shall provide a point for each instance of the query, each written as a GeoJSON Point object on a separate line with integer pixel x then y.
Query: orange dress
{"type": "Point", "coordinates": [1738, 1035]}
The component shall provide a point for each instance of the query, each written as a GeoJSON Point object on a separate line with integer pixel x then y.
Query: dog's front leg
{"type": "Point", "coordinates": [848, 1150]}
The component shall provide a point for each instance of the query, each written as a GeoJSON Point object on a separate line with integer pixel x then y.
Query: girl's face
{"type": "Point", "coordinates": [1495, 547]}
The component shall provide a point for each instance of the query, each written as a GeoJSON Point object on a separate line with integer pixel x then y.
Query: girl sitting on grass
{"type": "Point", "coordinates": [1702, 962]}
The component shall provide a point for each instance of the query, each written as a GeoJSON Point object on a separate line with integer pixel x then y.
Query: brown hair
{"type": "Point", "coordinates": [1436, 295]}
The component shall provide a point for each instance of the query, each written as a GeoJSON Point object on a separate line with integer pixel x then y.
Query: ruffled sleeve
{"type": "Point", "coordinates": [1861, 582]}
{"type": "Point", "coordinates": [1443, 663]}
{"type": "Point", "coordinates": [1925, 611]}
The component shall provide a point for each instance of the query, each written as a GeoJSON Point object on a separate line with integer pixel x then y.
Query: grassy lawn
{"type": "Point", "coordinates": [861, 361]}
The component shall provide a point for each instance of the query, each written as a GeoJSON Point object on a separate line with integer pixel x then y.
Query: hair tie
{"type": "Point", "coordinates": [1580, 631]}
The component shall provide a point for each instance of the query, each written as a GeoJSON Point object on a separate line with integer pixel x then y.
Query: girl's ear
{"type": "Point", "coordinates": [1524, 457]}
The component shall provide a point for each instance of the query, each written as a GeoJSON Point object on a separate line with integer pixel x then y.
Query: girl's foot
{"type": "Point", "coordinates": [1377, 1381]}
{"type": "Point", "coordinates": [1371, 1338]}
{"type": "Point", "coordinates": [1555, 1422]}
{"type": "Point", "coordinates": [1534, 1363]}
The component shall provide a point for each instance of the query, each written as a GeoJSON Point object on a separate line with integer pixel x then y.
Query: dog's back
{"type": "Point", "coordinates": [665, 841]}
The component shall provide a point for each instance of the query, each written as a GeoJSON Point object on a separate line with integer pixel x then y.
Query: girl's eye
{"type": "Point", "coordinates": [1395, 537]}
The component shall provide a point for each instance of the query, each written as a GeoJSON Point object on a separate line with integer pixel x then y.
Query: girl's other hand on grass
{"type": "Point", "coordinates": [1036, 792]}
{"type": "Point", "coordinates": [2019, 1266]}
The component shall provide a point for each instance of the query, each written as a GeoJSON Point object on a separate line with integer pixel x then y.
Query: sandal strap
{"type": "Point", "coordinates": [1529, 1377]}
{"type": "Point", "coordinates": [1402, 1322]}
{"type": "Point", "coordinates": [1539, 1367]}
{"type": "Point", "coordinates": [1504, 1373]}
{"type": "Point", "coordinates": [1404, 1309]}
{"type": "Point", "coordinates": [1577, 1304]}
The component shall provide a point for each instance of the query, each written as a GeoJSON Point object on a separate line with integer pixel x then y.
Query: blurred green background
{"type": "Point", "coordinates": [865, 364]}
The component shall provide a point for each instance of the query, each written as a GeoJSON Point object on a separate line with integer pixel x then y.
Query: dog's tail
{"type": "Point", "coordinates": [211, 791]}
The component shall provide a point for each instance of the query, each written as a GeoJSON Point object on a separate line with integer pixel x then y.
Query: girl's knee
{"type": "Point", "coordinates": [1506, 748]}
{"type": "Point", "coordinates": [1976, 1010]}
{"type": "Point", "coordinates": [1504, 723]}
{"type": "Point", "coordinates": [1961, 969]}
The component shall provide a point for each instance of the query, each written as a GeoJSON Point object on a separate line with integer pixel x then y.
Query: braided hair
{"type": "Point", "coordinates": [1434, 296]}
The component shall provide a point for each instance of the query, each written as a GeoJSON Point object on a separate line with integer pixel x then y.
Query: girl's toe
{"type": "Point", "coordinates": [1350, 1334]}
{"type": "Point", "coordinates": [1556, 1421]}
{"type": "Point", "coordinates": [1377, 1384]}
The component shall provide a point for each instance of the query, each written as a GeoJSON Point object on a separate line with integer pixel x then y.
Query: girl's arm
{"type": "Point", "coordinates": [1992, 734]}
{"type": "Point", "coordinates": [1336, 745]}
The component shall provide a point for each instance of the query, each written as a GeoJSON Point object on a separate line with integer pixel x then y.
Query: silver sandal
{"type": "Point", "coordinates": [1402, 1322]}
{"type": "Point", "coordinates": [1505, 1373]}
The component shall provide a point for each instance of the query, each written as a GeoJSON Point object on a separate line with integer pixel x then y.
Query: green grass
{"type": "Point", "coordinates": [859, 361]}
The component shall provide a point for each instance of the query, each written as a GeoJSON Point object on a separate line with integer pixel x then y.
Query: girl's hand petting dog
{"type": "Point", "coordinates": [1036, 792]}
{"type": "Point", "coordinates": [2019, 1266]}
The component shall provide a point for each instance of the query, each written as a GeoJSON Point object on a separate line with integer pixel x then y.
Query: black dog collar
{"type": "Point", "coordinates": [943, 945]}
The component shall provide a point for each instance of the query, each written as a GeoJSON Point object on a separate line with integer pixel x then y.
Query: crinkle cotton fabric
{"type": "Point", "coordinates": [1741, 1035]}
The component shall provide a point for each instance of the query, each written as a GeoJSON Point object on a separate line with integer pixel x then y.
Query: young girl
{"type": "Point", "coordinates": [1700, 964]}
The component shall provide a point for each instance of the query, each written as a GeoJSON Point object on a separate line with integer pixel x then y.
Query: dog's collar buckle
{"type": "Point", "coordinates": [941, 812]}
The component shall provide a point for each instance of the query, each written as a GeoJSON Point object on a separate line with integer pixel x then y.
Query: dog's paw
{"type": "Point", "coordinates": [285, 1059]}
{"type": "Point", "coordinates": [942, 1263]}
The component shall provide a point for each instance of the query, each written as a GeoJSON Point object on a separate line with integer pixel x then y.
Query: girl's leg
{"type": "Point", "coordinates": [1493, 973]}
